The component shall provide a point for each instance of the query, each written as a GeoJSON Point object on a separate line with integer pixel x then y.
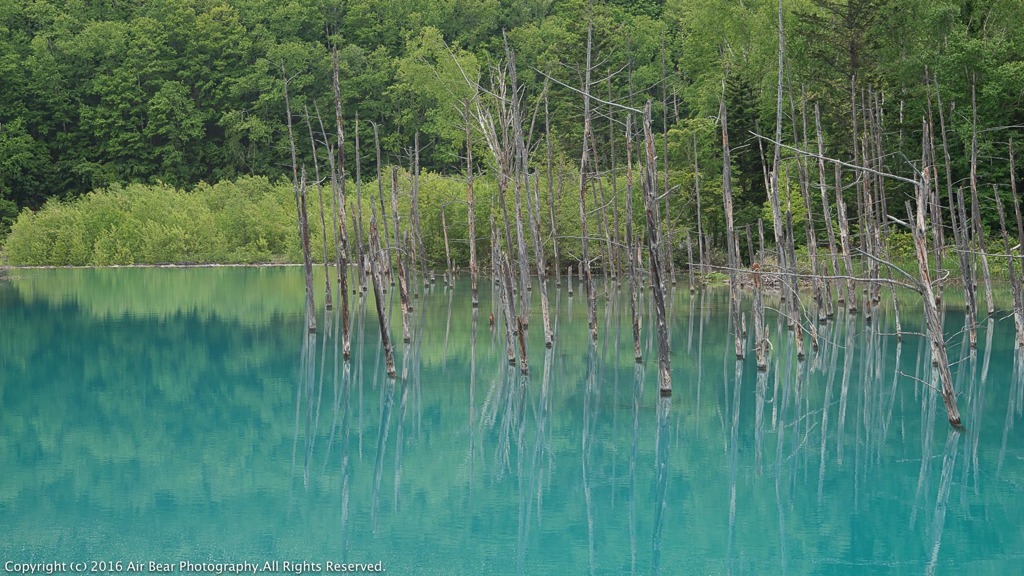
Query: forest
{"type": "Point", "coordinates": [186, 95]}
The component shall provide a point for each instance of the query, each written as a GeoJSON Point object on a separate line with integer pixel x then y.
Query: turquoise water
{"type": "Point", "coordinates": [169, 415]}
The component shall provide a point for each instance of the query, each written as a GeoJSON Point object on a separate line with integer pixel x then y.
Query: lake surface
{"type": "Point", "coordinates": [176, 415]}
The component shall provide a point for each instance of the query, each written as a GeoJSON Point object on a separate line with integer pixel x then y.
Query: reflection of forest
{"type": "Point", "coordinates": [227, 292]}
{"type": "Point", "coordinates": [207, 425]}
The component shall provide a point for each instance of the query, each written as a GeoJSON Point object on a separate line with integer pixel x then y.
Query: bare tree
{"type": "Point", "coordinates": [734, 260]}
{"type": "Point", "coordinates": [650, 186]}
{"type": "Point", "coordinates": [300, 209]}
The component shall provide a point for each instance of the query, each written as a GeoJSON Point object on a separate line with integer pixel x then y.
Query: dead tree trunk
{"type": "Point", "coordinates": [471, 216]}
{"type": "Point", "coordinates": [328, 304]}
{"type": "Point", "coordinates": [340, 199]}
{"type": "Point", "coordinates": [760, 238]}
{"type": "Point", "coordinates": [760, 337]}
{"type": "Point", "coordinates": [542, 275]}
{"type": "Point", "coordinates": [380, 198]}
{"type": "Point", "coordinates": [778, 223]}
{"type": "Point", "coordinates": [734, 305]}
{"type": "Point", "coordinates": [1018, 311]}
{"type": "Point", "coordinates": [958, 220]}
{"type": "Point", "coordinates": [795, 311]}
{"type": "Point", "coordinates": [495, 250]}
{"type": "Point", "coordinates": [689, 261]}
{"type": "Point", "coordinates": [881, 227]}
{"type": "Point", "coordinates": [300, 209]}
{"type": "Point", "coordinates": [414, 214]}
{"type": "Point", "coordinates": [587, 277]}
{"type": "Point", "coordinates": [1018, 304]}
{"type": "Point", "coordinates": [376, 264]}
{"type": "Point", "coordinates": [867, 213]}
{"type": "Point", "coordinates": [700, 233]}
{"type": "Point", "coordinates": [398, 248]}
{"type": "Point", "coordinates": [979, 233]}
{"type": "Point", "coordinates": [521, 185]}
{"type": "Point", "coordinates": [601, 202]}
{"type": "Point", "coordinates": [931, 311]}
{"type": "Point", "coordinates": [449, 273]}
{"type": "Point", "coordinates": [812, 236]}
{"type": "Point", "coordinates": [962, 228]}
{"type": "Point", "coordinates": [751, 255]}
{"type": "Point", "coordinates": [650, 185]}
{"type": "Point", "coordinates": [551, 195]}
{"type": "Point", "coordinates": [505, 293]}
{"type": "Point", "coordinates": [844, 241]}
{"type": "Point", "coordinates": [632, 249]}
{"type": "Point", "coordinates": [357, 214]}
{"type": "Point", "coordinates": [666, 250]}
{"type": "Point", "coordinates": [616, 230]}
{"type": "Point", "coordinates": [859, 181]}
{"type": "Point", "coordinates": [938, 236]}
{"type": "Point", "coordinates": [306, 257]}
{"type": "Point", "coordinates": [403, 293]}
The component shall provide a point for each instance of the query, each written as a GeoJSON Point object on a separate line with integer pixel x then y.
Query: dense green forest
{"type": "Point", "coordinates": [98, 94]}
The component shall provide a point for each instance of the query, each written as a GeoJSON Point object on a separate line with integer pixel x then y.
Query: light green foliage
{"type": "Point", "coordinates": [254, 220]}
{"type": "Point", "coordinates": [437, 81]}
{"type": "Point", "coordinates": [243, 221]}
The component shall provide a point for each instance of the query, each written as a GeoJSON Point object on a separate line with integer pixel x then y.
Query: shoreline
{"type": "Point", "coordinates": [178, 265]}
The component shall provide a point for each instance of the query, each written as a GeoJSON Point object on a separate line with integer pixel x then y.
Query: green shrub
{"type": "Point", "coordinates": [53, 236]}
{"type": "Point", "coordinates": [242, 221]}
{"type": "Point", "coordinates": [253, 220]}
{"type": "Point", "coordinates": [118, 245]}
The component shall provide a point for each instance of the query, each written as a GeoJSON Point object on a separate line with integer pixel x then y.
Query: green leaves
{"type": "Point", "coordinates": [435, 82]}
{"type": "Point", "coordinates": [244, 221]}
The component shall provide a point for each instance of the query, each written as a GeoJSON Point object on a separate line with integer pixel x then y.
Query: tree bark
{"type": "Point", "coordinates": [306, 257]}
{"type": "Point", "coordinates": [416, 245]}
{"type": "Point", "coordinates": [551, 195]}
{"type": "Point", "coordinates": [760, 337]}
{"type": "Point", "coordinates": [979, 232]}
{"type": "Point", "coordinates": [470, 214]}
{"type": "Point", "coordinates": [383, 212]}
{"type": "Point", "coordinates": [1018, 305]}
{"type": "Point", "coordinates": [328, 304]}
{"type": "Point", "coordinates": [586, 276]}
{"type": "Point", "coordinates": [958, 220]}
{"type": "Point", "coordinates": [376, 261]}
{"type": "Point", "coordinates": [633, 249]}
{"type": "Point", "coordinates": [398, 247]}
{"type": "Point", "coordinates": [667, 260]}
{"type": "Point", "coordinates": [300, 209]}
{"type": "Point", "coordinates": [733, 249]}
{"type": "Point", "coordinates": [931, 312]}
{"type": "Point", "coordinates": [357, 213]}
{"type": "Point", "coordinates": [340, 199]}
{"type": "Point", "coordinates": [449, 273]}
{"type": "Point", "coordinates": [689, 261]}
{"type": "Point", "coordinates": [403, 293]}
{"type": "Point", "coordinates": [542, 276]}
{"type": "Point", "coordinates": [778, 223]}
{"type": "Point", "coordinates": [825, 208]}
{"type": "Point", "coordinates": [650, 185]}
{"type": "Point", "coordinates": [844, 241]}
